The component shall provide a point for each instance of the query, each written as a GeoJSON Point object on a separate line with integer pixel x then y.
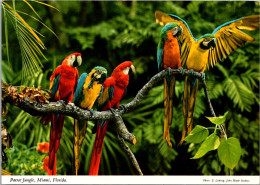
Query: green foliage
{"type": "Point", "coordinates": [24, 161]}
{"type": "Point", "coordinates": [218, 120]}
{"type": "Point", "coordinates": [211, 143]}
{"type": "Point", "coordinates": [198, 134]}
{"type": "Point", "coordinates": [229, 149]}
{"type": "Point", "coordinates": [108, 33]}
{"type": "Point", "coordinates": [229, 152]}
{"type": "Point", "coordinates": [31, 45]}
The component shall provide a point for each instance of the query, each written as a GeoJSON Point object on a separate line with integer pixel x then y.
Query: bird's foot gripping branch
{"type": "Point", "coordinates": [35, 103]}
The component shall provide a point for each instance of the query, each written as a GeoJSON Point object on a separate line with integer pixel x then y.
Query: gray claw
{"type": "Point", "coordinates": [91, 112]}
{"type": "Point", "coordinates": [74, 108]}
{"type": "Point", "coordinates": [122, 107]}
{"type": "Point", "coordinates": [113, 111]}
{"type": "Point", "coordinates": [203, 76]}
{"type": "Point", "coordinates": [62, 102]}
{"type": "Point", "coordinates": [191, 72]}
{"type": "Point", "coordinates": [181, 70]}
{"type": "Point", "coordinates": [169, 70]}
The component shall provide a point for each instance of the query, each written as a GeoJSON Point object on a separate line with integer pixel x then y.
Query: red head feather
{"type": "Point", "coordinates": [71, 60]}
{"type": "Point", "coordinates": [120, 73]}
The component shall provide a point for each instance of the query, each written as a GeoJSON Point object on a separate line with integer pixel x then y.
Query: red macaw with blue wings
{"type": "Point", "coordinates": [114, 91]}
{"type": "Point", "coordinates": [63, 84]}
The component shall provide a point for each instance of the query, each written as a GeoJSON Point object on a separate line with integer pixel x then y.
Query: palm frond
{"type": "Point", "coordinates": [239, 93]}
{"type": "Point", "coordinates": [45, 4]}
{"type": "Point", "coordinates": [31, 45]}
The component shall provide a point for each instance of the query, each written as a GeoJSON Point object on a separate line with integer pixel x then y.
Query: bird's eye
{"type": "Point", "coordinates": [71, 60]}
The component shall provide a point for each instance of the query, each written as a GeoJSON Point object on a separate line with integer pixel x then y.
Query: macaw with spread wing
{"type": "Point", "coordinates": [197, 54]}
{"type": "Point", "coordinates": [89, 88]}
{"type": "Point", "coordinates": [114, 91]}
{"type": "Point", "coordinates": [168, 55]}
{"type": "Point", "coordinates": [63, 84]}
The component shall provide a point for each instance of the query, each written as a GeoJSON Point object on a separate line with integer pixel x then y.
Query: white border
{"type": "Point", "coordinates": [130, 179]}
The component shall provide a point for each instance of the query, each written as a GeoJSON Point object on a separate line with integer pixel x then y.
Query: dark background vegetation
{"type": "Point", "coordinates": [108, 33]}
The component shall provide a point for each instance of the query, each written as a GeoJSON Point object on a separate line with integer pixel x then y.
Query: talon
{"type": "Point", "coordinates": [191, 72]}
{"type": "Point", "coordinates": [169, 70]}
{"type": "Point", "coordinates": [91, 112]}
{"type": "Point", "coordinates": [203, 76]}
{"type": "Point", "coordinates": [74, 108]}
{"type": "Point", "coordinates": [122, 107]}
{"type": "Point", "coordinates": [181, 70]}
{"type": "Point", "coordinates": [113, 111]}
{"type": "Point", "coordinates": [62, 102]}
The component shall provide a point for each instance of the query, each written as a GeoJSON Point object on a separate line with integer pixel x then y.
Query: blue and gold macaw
{"type": "Point", "coordinates": [89, 88]}
{"type": "Point", "coordinates": [169, 55]}
{"type": "Point", "coordinates": [197, 54]}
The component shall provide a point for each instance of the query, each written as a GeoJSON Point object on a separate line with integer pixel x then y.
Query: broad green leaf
{"type": "Point", "coordinates": [198, 134]}
{"type": "Point", "coordinates": [211, 143]}
{"type": "Point", "coordinates": [229, 152]}
{"type": "Point", "coordinates": [218, 120]}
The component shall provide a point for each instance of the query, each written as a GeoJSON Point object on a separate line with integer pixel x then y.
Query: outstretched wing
{"type": "Point", "coordinates": [186, 38]}
{"type": "Point", "coordinates": [78, 95]}
{"type": "Point", "coordinates": [229, 37]}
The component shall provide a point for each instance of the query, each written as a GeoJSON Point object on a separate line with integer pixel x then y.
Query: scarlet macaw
{"type": "Point", "coordinates": [168, 55]}
{"type": "Point", "coordinates": [197, 54]}
{"type": "Point", "coordinates": [63, 84]}
{"type": "Point", "coordinates": [89, 88]}
{"type": "Point", "coordinates": [114, 90]}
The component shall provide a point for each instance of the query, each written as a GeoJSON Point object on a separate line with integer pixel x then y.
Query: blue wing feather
{"type": "Point", "coordinates": [225, 24]}
{"type": "Point", "coordinates": [160, 55]}
{"type": "Point", "coordinates": [111, 92]}
{"type": "Point", "coordinates": [78, 95]}
{"type": "Point", "coordinates": [55, 85]}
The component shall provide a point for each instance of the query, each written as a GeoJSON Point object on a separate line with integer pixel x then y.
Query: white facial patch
{"type": "Point", "coordinates": [71, 60]}
{"type": "Point", "coordinates": [79, 60]}
{"type": "Point", "coordinates": [126, 71]}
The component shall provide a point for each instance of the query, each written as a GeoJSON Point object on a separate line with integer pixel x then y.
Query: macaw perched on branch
{"type": "Point", "coordinates": [168, 55]}
{"type": "Point", "coordinates": [197, 54]}
{"type": "Point", "coordinates": [63, 84]}
{"type": "Point", "coordinates": [89, 88]}
{"type": "Point", "coordinates": [114, 91]}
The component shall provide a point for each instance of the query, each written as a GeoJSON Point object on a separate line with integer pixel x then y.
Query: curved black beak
{"type": "Point", "coordinates": [212, 43]}
{"type": "Point", "coordinates": [75, 63]}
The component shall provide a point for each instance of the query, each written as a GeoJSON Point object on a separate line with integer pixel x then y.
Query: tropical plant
{"type": "Point", "coordinates": [107, 33]}
{"type": "Point", "coordinates": [28, 39]}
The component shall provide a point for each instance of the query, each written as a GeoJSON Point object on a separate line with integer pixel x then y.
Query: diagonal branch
{"type": "Point", "coordinates": [222, 129]}
{"type": "Point", "coordinates": [39, 109]}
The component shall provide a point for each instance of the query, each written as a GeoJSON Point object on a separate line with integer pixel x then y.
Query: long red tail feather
{"type": "Point", "coordinates": [55, 136]}
{"type": "Point", "coordinates": [97, 149]}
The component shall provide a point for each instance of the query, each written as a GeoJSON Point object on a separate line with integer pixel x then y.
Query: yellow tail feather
{"type": "Point", "coordinates": [79, 136]}
{"type": "Point", "coordinates": [189, 98]}
{"type": "Point", "coordinates": [168, 108]}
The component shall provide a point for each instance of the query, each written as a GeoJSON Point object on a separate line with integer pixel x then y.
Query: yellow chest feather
{"type": "Point", "coordinates": [198, 58]}
{"type": "Point", "coordinates": [91, 94]}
